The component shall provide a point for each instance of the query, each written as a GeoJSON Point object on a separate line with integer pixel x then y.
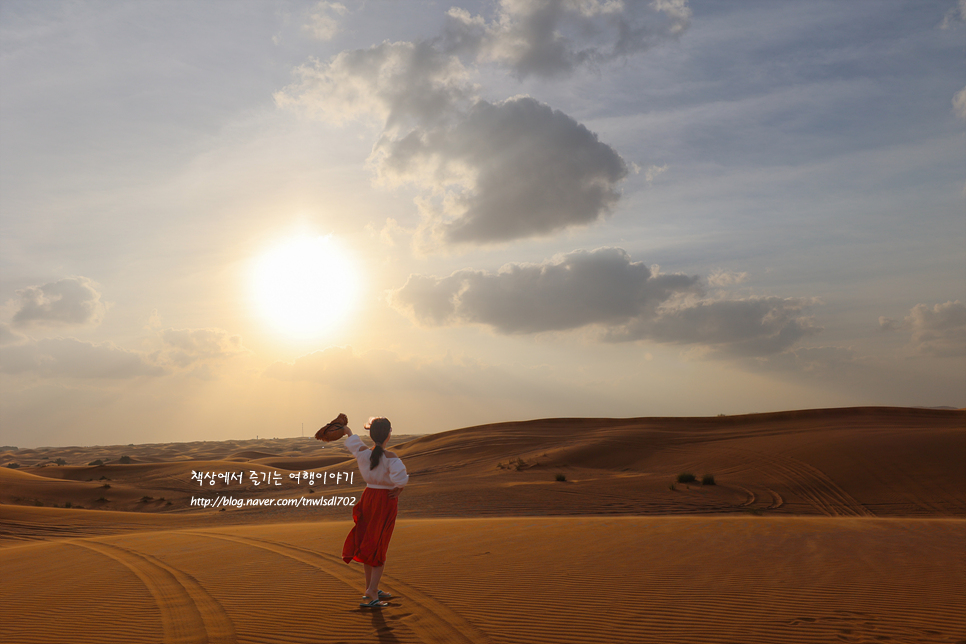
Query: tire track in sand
{"type": "Point", "coordinates": [811, 484]}
{"type": "Point", "coordinates": [751, 495]}
{"type": "Point", "coordinates": [435, 622]}
{"type": "Point", "coordinates": [189, 615]}
{"type": "Point", "coordinates": [776, 500]}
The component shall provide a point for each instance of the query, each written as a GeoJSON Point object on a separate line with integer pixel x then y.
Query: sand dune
{"type": "Point", "coordinates": [837, 462]}
{"type": "Point", "coordinates": [858, 536]}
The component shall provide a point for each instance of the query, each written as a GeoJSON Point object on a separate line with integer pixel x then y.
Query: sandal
{"type": "Point", "coordinates": [383, 595]}
{"type": "Point", "coordinates": [375, 603]}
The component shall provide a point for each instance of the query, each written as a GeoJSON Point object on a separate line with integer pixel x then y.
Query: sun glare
{"type": "Point", "coordinates": [306, 287]}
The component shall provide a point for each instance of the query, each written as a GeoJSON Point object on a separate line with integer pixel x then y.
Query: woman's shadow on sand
{"type": "Point", "coordinates": [382, 627]}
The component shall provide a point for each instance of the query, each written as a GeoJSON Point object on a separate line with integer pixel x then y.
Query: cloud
{"type": "Point", "coordinates": [552, 38]}
{"type": "Point", "coordinates": [752, 326]}
{"type": "Point", "coordinates": [819, 361]}
{"type": "Point", "coordinates": [889, 324]}
{"type": "Point", "coordinates": [959, 103]}
{"type": "Point", "coordinates": [955, 15]}
{"type": "Point", "coordinates": [603, 288]}
{"type": "Point", "coordinates": [488, 172]}
{"type": "Point", "coordinates": [938, 331]}
{"type": "Point", "coordinates": [402, 83]}
{"type": "Point", "coordinates": [652, 172]}
{"type": "Point", "coordinates": [9, 336]}
{"type": "Point", "coordinates": [722, 278]}
{"type": "Point", "coordinates": [505, 171]}
{"type": "Point", "coordinates": [323, 22]}
{"type": "Point", "coordinates": [72, 358]}
{"type": "Point", "coordinates": [184, 347]}
{"type": "Point", "coordinates": [571, 291]}
{"type": "Point", "coordinates": [73, 300]}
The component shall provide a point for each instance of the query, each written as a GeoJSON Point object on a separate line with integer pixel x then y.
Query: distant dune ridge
{"type": "Point", "coordinates": [821, 525]}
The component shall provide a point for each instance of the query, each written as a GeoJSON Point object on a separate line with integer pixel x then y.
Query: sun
{"type": "Point", "coordinates": [306, 287]}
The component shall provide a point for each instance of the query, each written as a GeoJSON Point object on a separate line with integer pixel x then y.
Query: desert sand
{"type": "Point", "coordinates": [839, 525]}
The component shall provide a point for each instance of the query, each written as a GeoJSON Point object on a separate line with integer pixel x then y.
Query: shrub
{"type": "Point", "coordinates": [561, 477]}
{"type": "Point", "coordinates": [145, 499]}
{"type": "Point", "coordinates": [686, 477]}
{"type": "Point", "coordinates": [707, 479]}
{"type": "Point", "coordinates": [101, 500]}
{"type": "Point", "coordinates": [518, 464]}
{"type": "Point", "coordinates": [68, 504]}
{"type": "Point", "coordinates": [60, 461]}
{"type": "Point", "coordinates": [13, 466]}
{"type": "Point", "coordinates": [124, 459]}
{"type": "Point", "coordinates": [97, 462]}
{"type": "Point", "coordinates": [106, 486]}
{"type": "Point", "coordinates": [38, 503]}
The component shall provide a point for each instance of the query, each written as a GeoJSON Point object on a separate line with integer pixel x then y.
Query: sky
{"type": "Point", "coordinates": [224, 220]}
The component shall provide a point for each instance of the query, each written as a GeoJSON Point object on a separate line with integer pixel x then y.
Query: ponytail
{"type": "Point", "coordinates": [379, 429]}
{"type": "Point", "coordinates": [375, 456]}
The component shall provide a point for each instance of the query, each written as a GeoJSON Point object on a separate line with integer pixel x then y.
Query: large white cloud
{"type": "Point", "coordinates": [505, 171]}
{"type": "Point", "coordinates": [603, 288]}
{"type": "Point", "coordinates": [72, 358]}
{"type": "Point", "coordinates": [72, 300]}
{"type": "Point", "coordinates": [488, 171]}
{"type": "Point", "coordinates": [554, 37]}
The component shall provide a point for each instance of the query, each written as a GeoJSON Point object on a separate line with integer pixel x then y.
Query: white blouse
{"type": "Point", "coordinates": [389, 474]}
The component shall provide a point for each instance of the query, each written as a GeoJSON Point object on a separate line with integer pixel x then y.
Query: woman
{"type": "Point", "coordinates": [375, 514]}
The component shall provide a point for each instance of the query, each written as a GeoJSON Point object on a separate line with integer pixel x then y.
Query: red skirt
{"type": "Point", "coordinates": [375, 517]}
